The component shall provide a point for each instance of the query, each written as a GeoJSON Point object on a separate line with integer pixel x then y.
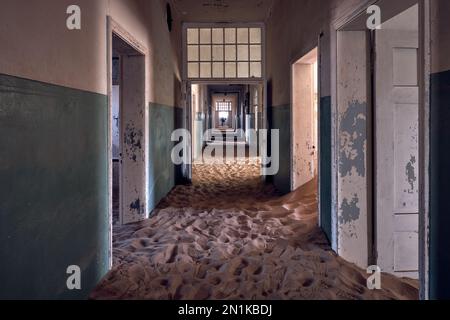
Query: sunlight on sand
{"type": "Point", "coordinates": [229, 236]}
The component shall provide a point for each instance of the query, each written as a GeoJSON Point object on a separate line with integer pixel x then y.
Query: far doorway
{"type": "Point", "coordinates": [305, 91]}
{"type": "Point", "coordinates": [226, 119]}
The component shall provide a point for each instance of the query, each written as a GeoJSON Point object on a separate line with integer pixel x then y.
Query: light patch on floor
{"type": "Point", "coordinates": [229, 236]}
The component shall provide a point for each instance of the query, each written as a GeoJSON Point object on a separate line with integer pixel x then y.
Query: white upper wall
{"type": "Point", "coordinates": [36, 44]}
{"type": "Point", "coordinates": [293, 31]}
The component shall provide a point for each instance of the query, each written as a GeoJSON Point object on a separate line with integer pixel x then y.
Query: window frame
{"type": "Point", "coordinates": [224, 61]}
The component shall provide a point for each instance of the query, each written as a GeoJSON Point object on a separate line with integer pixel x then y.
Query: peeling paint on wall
{"type": "Point", "coordinates": [137, 208]}
{"type": "Point", "coordinates": [132, 142]}
{"type": "Point", "coordinates": [350, 211]}
{"type": "Point", "coordinates": [353, 140]}
{"type": "Point", "coordinates": [411, 174]}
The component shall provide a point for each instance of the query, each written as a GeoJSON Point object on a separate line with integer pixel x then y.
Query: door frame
{"type": "Point", "coordinates": [187, 102]}
{"type": "Point", "coordinates": [294, 61]}
{"type": "Point", "coordinates": [424, 129]}
{"type": "Point", "coordinates": [114, 28]}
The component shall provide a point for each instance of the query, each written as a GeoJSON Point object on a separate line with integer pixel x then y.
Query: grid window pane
{"type": "Point", "coordinates": [205, 70]}
{"type": "Point", "coordinates": [224, 53]}
{"type": "Point", "coordinates": [230, 35]}
{"type": "Point", "coordinates": [242, 53]}
{"type": "Point", "coordinates": [205, 36]}
{"type": "Point", "coordinates": [255, 53]}
{"type": "Point", "coordinates": [218, 70]}
{"type": "Point", "coordinates": [255, 69]}
{"type": "Point", "coordinates": [193, 54]}
{"type": "Point", "coordinates": [193, 70]}
{"type": "Point", "coordinates": [217, 36]}
{"type": "Point", "coordinates": [230, 53]}
{"type": "Point", "coordinates": [242, 35]}
{"type": "Point", "coordinates": [230, 70]}
{"type": "Point", "coordinates": [224, 106]}
{"type": "Point", "coordinates": [243, 71]}
{"type": "Point", "coordinates": [192, 36]}
{"type": "Point", "coordinates": [217, 53]}
{"type": "Point", "coordinates": [205, 53]}
{"type": "Point", "coordinates": [255, 35]}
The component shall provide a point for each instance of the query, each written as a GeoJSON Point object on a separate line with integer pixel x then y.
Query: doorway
{"type": "Point", "coordinates": [226, 119]}
{"type": "Point", "coordinates": [224, 111]}
{"type": "Point", "coordinates": [127, 127]}
{"type": "Point", "coordinates": [397, 159]}
{"type": "Point", "coordinates": [380, 172]}
{"type": "Point", "coordinates": [305, 120]}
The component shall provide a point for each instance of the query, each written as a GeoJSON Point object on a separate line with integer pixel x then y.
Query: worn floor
{"type": "Point", "coordinates": [229, 236]}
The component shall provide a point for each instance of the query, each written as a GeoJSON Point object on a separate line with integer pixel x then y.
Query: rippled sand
{"type": "Point", "coordinates": [229, 236]}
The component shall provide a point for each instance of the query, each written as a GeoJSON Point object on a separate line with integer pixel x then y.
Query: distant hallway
{"type": "Point", "coordinates": [229, 236]}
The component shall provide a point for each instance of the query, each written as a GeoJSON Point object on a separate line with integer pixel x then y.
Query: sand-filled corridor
{"type": "Point", "coordinates": [229, 236]}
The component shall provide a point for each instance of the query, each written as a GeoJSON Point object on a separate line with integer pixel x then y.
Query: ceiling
{"type": "Point", "coordinates": [223, 10]}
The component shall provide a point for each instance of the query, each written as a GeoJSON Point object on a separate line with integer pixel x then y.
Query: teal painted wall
{"type": "Point", "coordinates": [163, 174]}
{"type": "Point", "coordinates": [440, 187]}
{"type": "Point", "coordinates": [53, 190]}
{"type": "Point", "coordinates": [280, 118]}
{"type": "Point", "coordinates": [325, 166]}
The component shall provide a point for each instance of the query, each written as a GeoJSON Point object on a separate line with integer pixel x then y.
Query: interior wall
{"type": "Point", "coordinates": [53, 86]}
{"type": "Point", "coordinates": [294, 29]}
{"type": "Point", "coordinates": [52, 53]}
{"type": "Point", "coordinates": [440, 140]}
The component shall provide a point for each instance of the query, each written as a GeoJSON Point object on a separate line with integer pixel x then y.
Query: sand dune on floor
{"type": "Point", "coordinates": [229, 236]}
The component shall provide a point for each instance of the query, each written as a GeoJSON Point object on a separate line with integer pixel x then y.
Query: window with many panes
{"type": "Point", "coordinates": [223, 106]}
{"type": "Point", "coordinates": [224, 53]}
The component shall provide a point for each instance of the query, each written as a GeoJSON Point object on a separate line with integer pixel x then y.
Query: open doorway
{"type": "Point", "coordinates": [397, 160]}
{"type": "Point", "coordinates": [226, 119]}
{"type": "Point", "coordinates": [224, 111]}
{"type": "Point", "coordinates": [378, 121]}
{"type": "Point", "coordinates": [127, 123]}
{"type": "Point", "coordinates": [305, 120]}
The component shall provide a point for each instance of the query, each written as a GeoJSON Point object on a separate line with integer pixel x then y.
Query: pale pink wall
{"type": "Point", "coordinates": [35, 43]}
{"type": "Point", "coordinates": [293, 31]}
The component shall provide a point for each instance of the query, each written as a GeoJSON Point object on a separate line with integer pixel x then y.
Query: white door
{"type": "Point", "coordinates": [186, 102]}
{"type": "Point", "coordinates": [397, 152]}
{"type": "Point", "coordinates": [302, 125]}
{"type": "Point", "coordinates": [133, 197]}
